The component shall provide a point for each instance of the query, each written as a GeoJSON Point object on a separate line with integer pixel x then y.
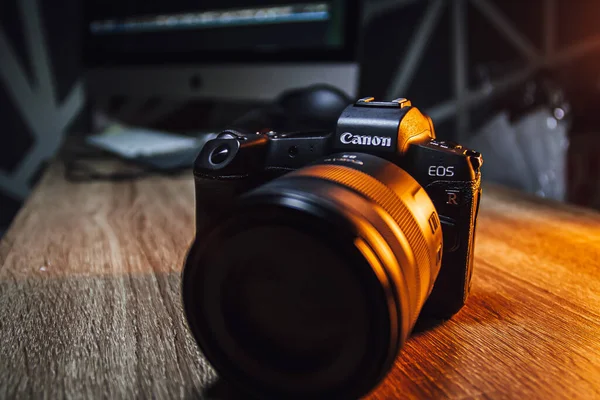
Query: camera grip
{"type": "Point", "coordinates": [214, 197]}
{"type": "Point", "coordinates": [457, 204]}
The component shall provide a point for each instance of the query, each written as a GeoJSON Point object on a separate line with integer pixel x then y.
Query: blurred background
{"type": "Point", "coordinates": [518, 81]}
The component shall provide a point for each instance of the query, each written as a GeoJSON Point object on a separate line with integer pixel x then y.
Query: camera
{"type": "Point", "coordinates": [315, 252]}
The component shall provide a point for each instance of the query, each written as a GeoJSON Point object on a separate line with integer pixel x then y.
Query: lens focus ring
{"type": "Point", "coordinates": [382, 195]}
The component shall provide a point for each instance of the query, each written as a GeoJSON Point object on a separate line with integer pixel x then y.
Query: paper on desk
{"type": "Point", "coordinates": [133, 142]}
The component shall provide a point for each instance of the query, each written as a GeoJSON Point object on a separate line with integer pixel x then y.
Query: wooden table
{"type": "Point", "coordinates": [90, 303]}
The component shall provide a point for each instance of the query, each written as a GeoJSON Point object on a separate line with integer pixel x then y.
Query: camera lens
{"type": "Point", "coordinates": [309, 288]}
{"type": "Point", "coordinates": [219, 154]}
{"type": "Point", "coordinates": [283, 308]}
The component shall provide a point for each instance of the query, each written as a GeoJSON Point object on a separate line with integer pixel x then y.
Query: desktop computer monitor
{"type": "Point", "coordinates": [218, 50]}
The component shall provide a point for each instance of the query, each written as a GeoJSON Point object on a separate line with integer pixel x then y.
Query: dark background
{"type": "Point", "coordinates": [384, 41]}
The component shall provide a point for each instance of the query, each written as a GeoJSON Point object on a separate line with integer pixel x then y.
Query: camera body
{"type": "Point", "coordinates": [236, 162]}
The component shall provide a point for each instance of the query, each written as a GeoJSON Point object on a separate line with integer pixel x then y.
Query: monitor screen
{"type": "Point", "coordinates": [134, 31]}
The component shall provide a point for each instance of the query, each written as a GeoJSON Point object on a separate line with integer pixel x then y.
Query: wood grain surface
{"type": "Point", "coordinates": [90, 303]}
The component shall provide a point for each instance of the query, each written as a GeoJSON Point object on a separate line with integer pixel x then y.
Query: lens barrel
{"type": "Point", "coordinates": [311, 285]}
